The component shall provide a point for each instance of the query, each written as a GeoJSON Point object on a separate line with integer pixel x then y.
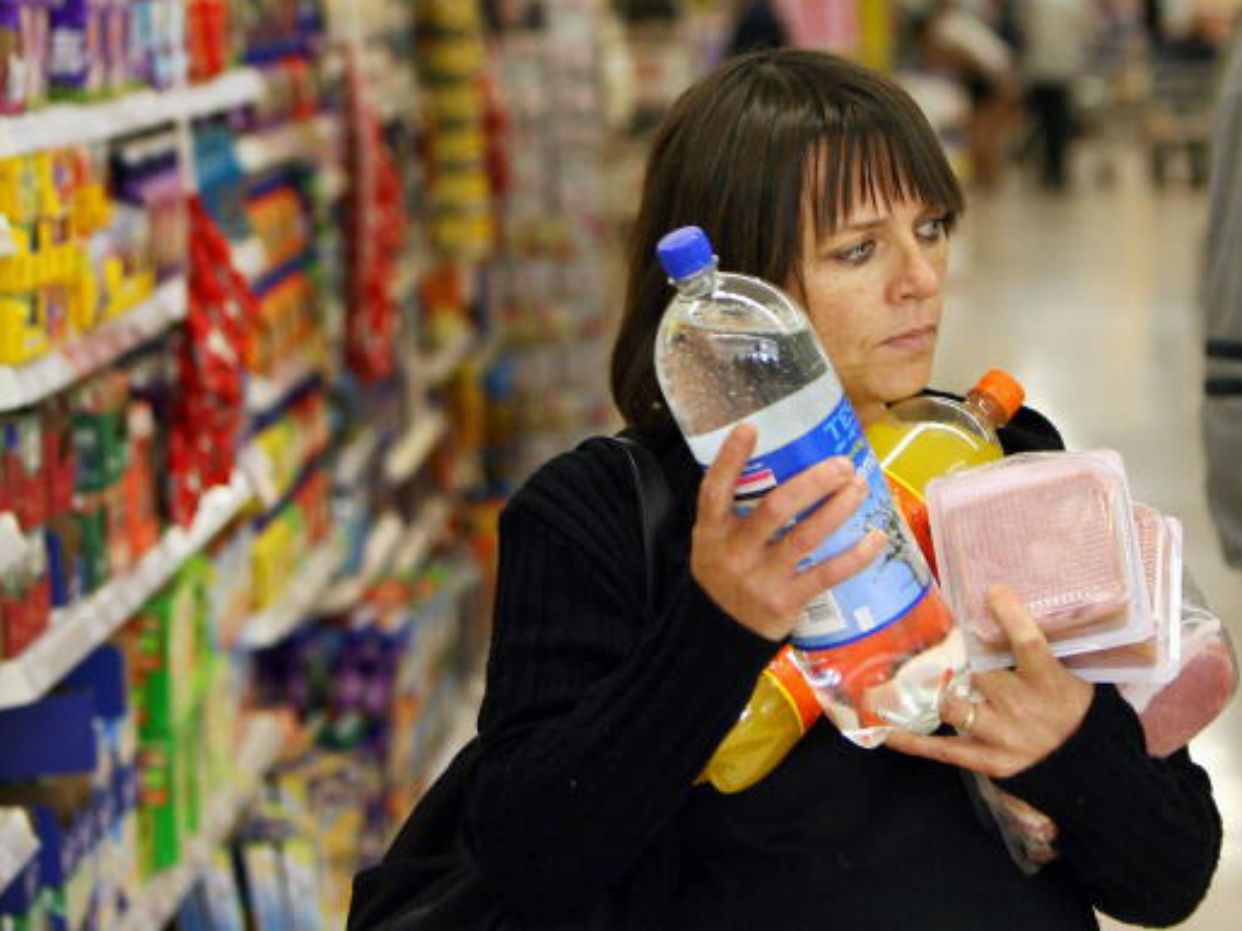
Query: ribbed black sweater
{"type": "Point", "coordinates": [599, 714]}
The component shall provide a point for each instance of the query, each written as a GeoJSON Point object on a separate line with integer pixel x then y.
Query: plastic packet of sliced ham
{"type": "Point", "coordinates": [1154, 660]}
{"type": "Point", "coordinates": [1058, 528]}
{"type": "Point", "coordinates": [1029, 834]}
{"type": "Point", "coordinates": [1207, 678]}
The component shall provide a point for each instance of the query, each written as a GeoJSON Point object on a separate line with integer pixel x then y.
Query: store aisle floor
{"type": "Point", "coordinates": [1089, 300]}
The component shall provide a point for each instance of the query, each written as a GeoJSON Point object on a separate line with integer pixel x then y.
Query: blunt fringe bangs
{"type": "Point", "coordinates": [741, 153]}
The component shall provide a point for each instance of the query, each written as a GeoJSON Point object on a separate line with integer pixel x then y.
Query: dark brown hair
{"type": "Point", "coordinates": [733, 156]}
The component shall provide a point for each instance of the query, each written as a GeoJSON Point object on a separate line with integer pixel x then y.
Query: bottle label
{"type": "Point", "coordinates": [883, 592]}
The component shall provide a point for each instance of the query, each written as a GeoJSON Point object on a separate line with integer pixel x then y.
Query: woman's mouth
{"type": "Point", "coordinates": [922, 339]}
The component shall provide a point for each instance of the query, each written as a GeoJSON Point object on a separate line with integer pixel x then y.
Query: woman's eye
{"type": "Point", "coordinates": [933, 229]}
{"type": "Point", "coordinates": [857, 254]}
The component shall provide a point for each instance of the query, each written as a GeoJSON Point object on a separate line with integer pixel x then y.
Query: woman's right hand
{"type": "Point", "coordinates": [737, 562]}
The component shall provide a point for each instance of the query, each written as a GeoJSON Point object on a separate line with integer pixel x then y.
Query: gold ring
{"type": "Point", "coordinates": [968, 725]}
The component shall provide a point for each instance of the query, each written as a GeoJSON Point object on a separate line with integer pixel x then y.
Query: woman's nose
{"type": "Point", "coordinates": [919, 275]}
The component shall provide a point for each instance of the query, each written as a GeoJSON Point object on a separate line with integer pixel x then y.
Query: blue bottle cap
{"type": "Point", "coordinates": [685, 252]}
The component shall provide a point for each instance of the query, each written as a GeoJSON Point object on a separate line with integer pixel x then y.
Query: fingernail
{"type": "Point", "coordinates": [841, 466]}
{"type": "Point", "coordinates": [859, 483]}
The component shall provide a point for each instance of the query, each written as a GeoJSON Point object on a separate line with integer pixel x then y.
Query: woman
{"type": "Point", "coordinates": [600, 713]}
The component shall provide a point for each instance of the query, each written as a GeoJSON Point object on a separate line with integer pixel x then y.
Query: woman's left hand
{"type": "Point", "coordinates": [1017, 716]}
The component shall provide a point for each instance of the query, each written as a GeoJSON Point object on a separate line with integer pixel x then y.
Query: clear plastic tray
{"type": "Point", "coordinates": [1153, 660]}
{"type": "Point", "coordinates": [1057, 528]}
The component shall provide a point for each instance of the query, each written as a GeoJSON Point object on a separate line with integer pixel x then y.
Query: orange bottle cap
{"type": "Point", "coordinates": [1002, 388]}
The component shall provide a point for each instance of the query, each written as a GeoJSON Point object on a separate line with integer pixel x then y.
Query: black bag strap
{"type": "Point", "coordinates": [655, 502]}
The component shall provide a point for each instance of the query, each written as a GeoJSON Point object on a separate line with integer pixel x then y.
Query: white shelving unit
{"type": "Point", "coordinates": [162, 897]}
{"type": "Point", "coordinates": [64, 125]}
{"type": "Point", "coordinates": [17, 844]}
{"type": "Point", "coordinates": [414, 446]}
{"type": "Point", "coordinates": [77, 630]}
{"type": "Point", "coordinates": [381, 547]}
{"type": "Point", "coordinates": [354, 458]}
{"type": "Point", "coordinates": [299, 601]}
{"type": "Point", "coordinates": [297, 141]}
{"type": "Point", "coordinates": [262, 394]}
{"type": "Point", "coordinates": [423, 533]}
{"type": "Point", "coordinates": [21, 386]}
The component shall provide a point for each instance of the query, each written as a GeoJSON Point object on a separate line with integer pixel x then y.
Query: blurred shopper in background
{"type": "Point", "coordinates": [1221, 300]}
{"type": "Point", "coordinates": [1055, 37]}
{"type": "Point", "coordinates": [759, 26]}
{"type": "Point", "coordinates": [953, 39]}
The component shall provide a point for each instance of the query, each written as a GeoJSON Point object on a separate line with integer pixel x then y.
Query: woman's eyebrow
{"type": "Point", "coordinates": [860, 227]}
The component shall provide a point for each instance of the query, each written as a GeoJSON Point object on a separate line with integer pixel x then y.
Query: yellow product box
{"type": "Point", "coordinates": [23, 330]}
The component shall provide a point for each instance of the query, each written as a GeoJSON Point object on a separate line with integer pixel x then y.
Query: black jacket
{"type": "Point", "coordinates": [599, 715]}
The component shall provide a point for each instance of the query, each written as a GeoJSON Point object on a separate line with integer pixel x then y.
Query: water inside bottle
{"type": "Point", "coordinates": [723, 376]}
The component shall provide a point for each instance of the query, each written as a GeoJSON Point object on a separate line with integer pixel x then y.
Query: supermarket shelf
{"type": "Point", "coordinates": [264, 393]}
{"type": "Point", "coordinates": [423, 533]}
{"type": "Point", "coordinates": [76, 631]}
{"type": "Point", "coordinates": [162, 897]}
{"type": "Point", "coordinates": [17, 844]}
{"type": "Point", "coordinates": [381, 547]}
{"type": "Point", "coordinates": [68, 124]}
{"type": "Point", "coordinates": [391, 546]}
{"type": "Point", "coordinates": [24, 385]}
{"type": "Point", "coordinates": [299, 601]}
{"type": "Point", "coordinates": [306, 140]}
{"type": "Point", "coordinates": [354, 460]}
{"type": "Point", "coordinates": [414, 446]}
{"type": "Point", "coordinates": [439, 367]}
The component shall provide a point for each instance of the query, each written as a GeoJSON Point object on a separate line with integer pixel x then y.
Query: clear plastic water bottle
{"type": "Point", "coordinates": [880, 647]}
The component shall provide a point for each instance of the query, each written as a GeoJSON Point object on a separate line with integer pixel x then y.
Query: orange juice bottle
{"type": "Point", "coordinates": [926, 436]}
{"type": "Point", "coordinates": [781, 709]}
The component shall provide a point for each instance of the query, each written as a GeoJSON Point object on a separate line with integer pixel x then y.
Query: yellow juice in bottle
{"type": "Point", "coordinates": [926, 436]}
{"type": "Point", "coordinates": [780, 710]}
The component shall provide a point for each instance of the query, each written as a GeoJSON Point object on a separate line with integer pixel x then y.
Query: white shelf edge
{"type": "Point", "coordinates": [76, 631]}
{"type": "Point", "coordinates": [414, 446]}
{"type": "Point", "coordinates": [21, 386]}
{"type": "Point", "coordinates": [440, 366]}
{"type": "Point", "coordinates": [298, 602]}
{"type": "Point", "coordinates": [264, 393]}
{"type": "Point", "coordinates": [381, 546]}
{"type": "Point", "coordinates": [164, 894]}
{"type": "Point", "coordinates": [69, 124]}
{"type": "Point", "coordinates": [307, 139]}
{"type": "Point", "coordinates": [354, 459]}
{"type": "Point", "coordinates": [17, 844]}
{"type": "Point", "coordinates": [423, 534]}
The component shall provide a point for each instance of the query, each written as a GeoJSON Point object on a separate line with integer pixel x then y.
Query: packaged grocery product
{"type": "Point", "coordinates": [929, 435]}
{"type": "Point", "coordinates": [1029, 834]}
{"type": "Point", "coordinates": [879, 647]}
{"type": "Point", "coordinates": [1154, 659]}
{"type": "Point", "coordinates": [1058, 529]}
{"type": "Point", "coordinates": [782, 708]}
{"type": "Point", "coordinates": [1207, 678]}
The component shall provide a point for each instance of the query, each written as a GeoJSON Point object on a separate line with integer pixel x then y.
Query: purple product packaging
{"type": "Point", "coordinates": [13, 60]}
{"type": "Point", "coordinates": [69, 61]}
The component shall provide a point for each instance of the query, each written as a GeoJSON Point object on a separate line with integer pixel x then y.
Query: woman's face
{"type": "Point", "coordinates": [872, 290]}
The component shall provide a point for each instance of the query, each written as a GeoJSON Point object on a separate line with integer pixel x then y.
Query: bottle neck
{"type": "Point", "coordinates": [987, 409]}
{"type": "Point", "coordinates": [698, 285]}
